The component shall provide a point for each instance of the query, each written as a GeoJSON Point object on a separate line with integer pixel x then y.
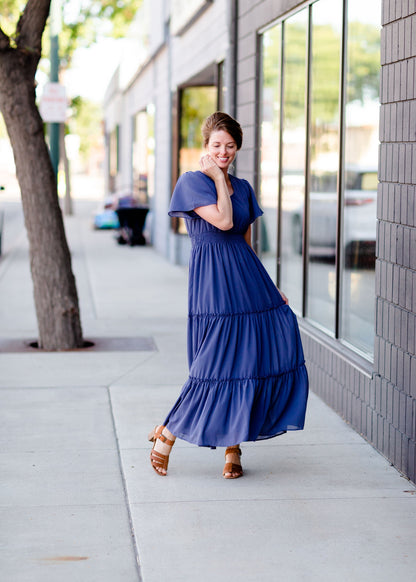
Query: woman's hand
{"type": "Point", "coordinates": [220, 214]}
{"type": "Point", "coordinates": [285, 299]}
{"type": "Point", "coordinates": [209, 167]}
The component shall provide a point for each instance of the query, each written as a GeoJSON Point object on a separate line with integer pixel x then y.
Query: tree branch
{"type": "Point", "coordinates": [31, 25]}
{"type": "Point", "coordinates": [4, 41]}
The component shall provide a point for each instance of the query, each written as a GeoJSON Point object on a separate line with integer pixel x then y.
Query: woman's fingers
{"type": "Point", "coordinates": [208, 165]}
{"type": "Point", "coordinates": [207, 162]}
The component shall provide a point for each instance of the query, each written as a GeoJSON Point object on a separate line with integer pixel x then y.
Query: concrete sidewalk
{"type": "Point", "coordinates": [79, 500]}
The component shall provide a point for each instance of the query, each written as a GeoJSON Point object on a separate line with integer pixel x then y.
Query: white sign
{"type": "Point", "coordinates": [54, 103]}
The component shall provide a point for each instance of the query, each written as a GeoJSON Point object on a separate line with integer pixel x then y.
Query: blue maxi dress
{"type": "Point", "coordinates": [247, 375]}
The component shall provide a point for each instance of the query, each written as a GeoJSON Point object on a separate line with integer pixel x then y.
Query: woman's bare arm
{"type": "Point", "coordinates": [220, 214]}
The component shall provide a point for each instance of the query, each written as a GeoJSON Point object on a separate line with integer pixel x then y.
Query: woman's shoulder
{"type": "Point", "coordinates": [241, 182]}
{"type": "Point", "coordinates": [193, 176]}
{"type": "Point", "coordinates": [194, 179]}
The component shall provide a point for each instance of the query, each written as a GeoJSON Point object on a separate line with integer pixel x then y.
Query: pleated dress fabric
{"type": "Point", "coordinates": [247, 375]}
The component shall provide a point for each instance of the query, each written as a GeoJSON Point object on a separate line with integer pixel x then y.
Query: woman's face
{"type": "Point", "coordinates": [222, 148]}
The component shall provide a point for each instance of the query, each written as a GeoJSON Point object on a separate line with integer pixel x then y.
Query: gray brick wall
{"type": "Point", "coordinates": [395, 363]}
{"type": "Point", "coordinates": [379, 401]}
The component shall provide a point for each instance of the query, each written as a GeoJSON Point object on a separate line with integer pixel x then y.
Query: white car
{"type": "Point", "coordinates": [360, 213]}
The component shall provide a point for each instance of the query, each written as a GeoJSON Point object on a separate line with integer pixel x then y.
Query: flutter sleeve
{"type": "Point", "coordinates": [192, 190]}
{"type": "Point", "coordinates": [255, 210]}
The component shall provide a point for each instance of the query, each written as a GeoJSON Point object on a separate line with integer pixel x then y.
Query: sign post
{"type": "Point", "coordinates": [55, 28]}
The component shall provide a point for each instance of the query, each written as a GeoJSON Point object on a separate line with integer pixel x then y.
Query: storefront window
{"type": "Point", "coordinates": [327, 179]}
{"type": "Point", "coordinates": [222, 87]}
{"type": "Point", "coordinates": [196, 104]}
{"type": "Point", "coordinates": [293, 157]}
{"type": "Point", "coordinates": [270, 146]}
{"type": "Point", "coordinates": [324, 161]}
{"type": "Point", "coordinates": [143, 155]}
{"type": "Point", "coordinates": [360, 175]}
{"type": "Point", "coordinates": [114, 152]}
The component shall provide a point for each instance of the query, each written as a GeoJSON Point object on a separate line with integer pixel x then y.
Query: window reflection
{"type": "Point", "coordinates": [270, 140]}
{"type": "Point", "coordinates": [354, 193]}
{"type": "Point", "coordinates": [293, 157]}
{"type": "Point", "coordinates": [324, 161]}
{"type": "Point", "coordinates": [360, 178]}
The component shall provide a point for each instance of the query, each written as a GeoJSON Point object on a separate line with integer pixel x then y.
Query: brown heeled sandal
{"type": "Point", "coordinates": [232, 467]}
{"type": "Point", "coordinates": [159, 460]}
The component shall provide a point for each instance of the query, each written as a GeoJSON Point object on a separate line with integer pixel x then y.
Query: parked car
{"type": "Point", "coordinates": [360, 202]}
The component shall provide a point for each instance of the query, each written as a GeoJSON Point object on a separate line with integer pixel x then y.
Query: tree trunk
{"type": "Point", "coordinates": [55, 293]}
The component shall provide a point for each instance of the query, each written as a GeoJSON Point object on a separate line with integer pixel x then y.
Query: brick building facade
{"type": "Point", "coordinates": [358, 328]}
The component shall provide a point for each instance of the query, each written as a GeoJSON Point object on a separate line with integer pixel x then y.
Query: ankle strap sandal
{"type": "Point", "coordinates": [159, 460]}
{"type": "Point", "coordinates": [235, 470]}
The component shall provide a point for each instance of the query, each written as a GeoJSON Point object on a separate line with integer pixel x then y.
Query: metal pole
{"type": "Point", "coordinates": [55, 27]}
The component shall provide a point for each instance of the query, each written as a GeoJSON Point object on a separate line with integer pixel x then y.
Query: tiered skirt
{"type": "Point", "coordinates": [247, 378]}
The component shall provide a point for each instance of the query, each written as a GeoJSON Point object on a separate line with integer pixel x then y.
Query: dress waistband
{"type": "Point", "coordinates": [216, 236]}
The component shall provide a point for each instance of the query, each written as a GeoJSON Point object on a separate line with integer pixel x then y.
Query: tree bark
{"type": "Point", "coordinates": [55, 293]}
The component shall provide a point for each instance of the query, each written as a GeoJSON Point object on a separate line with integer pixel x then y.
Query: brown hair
{"type": "Point", "coordinates": [222, 121]}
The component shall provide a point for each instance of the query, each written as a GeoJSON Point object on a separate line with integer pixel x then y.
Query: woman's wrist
{"type": "Point", "coordinates": [220, 179]}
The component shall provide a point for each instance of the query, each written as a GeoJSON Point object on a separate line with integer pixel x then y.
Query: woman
{"type": "Point", "coordinates": [247, 377]}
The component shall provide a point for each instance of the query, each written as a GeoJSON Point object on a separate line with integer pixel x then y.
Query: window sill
{"type": "Point", "coordinates": [339, 347]}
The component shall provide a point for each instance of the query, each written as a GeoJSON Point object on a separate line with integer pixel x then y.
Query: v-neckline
{"type": "Point", "coordinates": [232, 185]}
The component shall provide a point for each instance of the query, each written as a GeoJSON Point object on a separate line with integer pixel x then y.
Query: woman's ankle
{"type": "Point", "coordinates": [165, 441]}
{"type": "Point", "coordinates": [166, 432]}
